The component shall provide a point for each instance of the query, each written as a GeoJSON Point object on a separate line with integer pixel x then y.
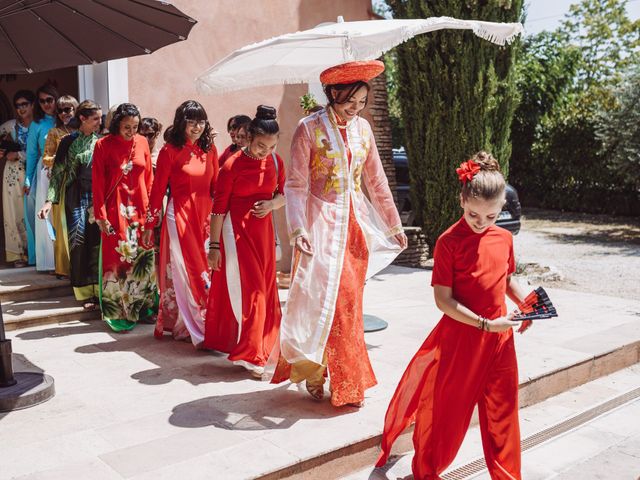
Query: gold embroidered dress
{"type": "Point", "coordinates": [324, 191]}
{"type": "Point", "coordinates": [58, 215]}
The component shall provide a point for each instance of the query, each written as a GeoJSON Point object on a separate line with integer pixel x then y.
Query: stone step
{"type": "Point", "coordinates": [343, 461]}
{"type": "Point", "coordinates": [20, 284]}
{"type": "Point", "coordinates": [558, 434]}
{"type": "Point", "coordinates": [30, 313]}
{"type": "Point", "coordinates": [126, 397]}
{"type": "Point", "coordinates": [594, 337]}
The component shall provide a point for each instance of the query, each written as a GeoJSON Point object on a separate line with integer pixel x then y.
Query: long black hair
{"type": "Point", "coordinates": [123, 111]}
{"type": "Point", "coordinates": [189, 110]}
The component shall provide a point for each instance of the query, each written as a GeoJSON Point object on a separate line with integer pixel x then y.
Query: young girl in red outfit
{"type": "Point", "coordinates": [469, 358]}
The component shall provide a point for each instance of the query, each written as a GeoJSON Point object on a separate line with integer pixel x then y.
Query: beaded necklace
{"type": "Point", "coordinates": [245, 150]}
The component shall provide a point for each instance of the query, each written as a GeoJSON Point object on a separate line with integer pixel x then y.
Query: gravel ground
{"type": "Point", "coordinates": [588, 253]}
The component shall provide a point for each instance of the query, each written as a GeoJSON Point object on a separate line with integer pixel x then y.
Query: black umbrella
{"type": "Point", "coordinates": [39, 35]}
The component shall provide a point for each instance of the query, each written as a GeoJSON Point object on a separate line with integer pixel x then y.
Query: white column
{"type": "Point", "coordinates": [106, 83]}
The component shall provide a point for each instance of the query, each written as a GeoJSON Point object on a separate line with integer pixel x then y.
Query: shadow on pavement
{"type": "Point", "coordinates": [175, 360]}
{"type": "Point", "coordinates": [63, 331]}
{"type": "Point", "coordinates": [279, 408]}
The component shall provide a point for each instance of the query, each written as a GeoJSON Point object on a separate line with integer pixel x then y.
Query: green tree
{"type": "Point", "coordinates": [457, 95]}
{"type": "Point", "coordinates": [607, 38]}
{"type": "Point", "coordinates": [381, 8]}
{"type": "Point", "coordinates": [395, 110]}
{"type": "Point", "coordinates": [568, 79]}
{"type": "Point", "coordinates": [545, 73]}
{"type": "Point", "coordinates": [619, 132]}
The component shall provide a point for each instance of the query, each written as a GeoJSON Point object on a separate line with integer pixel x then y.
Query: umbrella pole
{"type": "Point", "coordinates": [6, 367]}
{"type": "Point", "coordinates": [22, 389]}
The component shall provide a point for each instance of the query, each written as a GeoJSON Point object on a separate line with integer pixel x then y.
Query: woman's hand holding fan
{"type": "Point", "coordinates": [536, 306]}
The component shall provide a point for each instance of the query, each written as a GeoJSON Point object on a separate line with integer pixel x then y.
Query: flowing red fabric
{"type": "Point", "coordinates": [191, 175]}
{"type": "Point", "coordinates": [242, 182]}
{"type": "Point", "coordinates": [460, 366]}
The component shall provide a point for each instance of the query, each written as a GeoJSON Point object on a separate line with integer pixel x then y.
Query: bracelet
{"type": "Point", "coordinates": [483, 323]}
{"type": "Point", "coordinates": [214, 247]}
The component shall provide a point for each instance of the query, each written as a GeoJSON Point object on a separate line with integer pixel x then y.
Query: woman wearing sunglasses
{"type": "Point", "coordinates": [66, 109]}
{"type": "Point", "coordinates": [36, 183]}
{"type": "Point", "coordinates": [188, 163]}
{"type": "Point", "coordinates": [13, 177]}
{"type": "Point", "coordinates": [71, 180]}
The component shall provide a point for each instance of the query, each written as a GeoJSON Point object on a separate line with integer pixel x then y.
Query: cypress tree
{"type": "Point", "coordinates": [457, 95]}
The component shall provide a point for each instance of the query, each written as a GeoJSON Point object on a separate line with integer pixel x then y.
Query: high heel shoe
{"type": "Point", "coordinates": [316, 391]}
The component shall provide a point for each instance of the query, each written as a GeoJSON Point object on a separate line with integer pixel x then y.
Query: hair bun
{"type": "Point", "coordinates": [266, 112]}
{"type": "Point", "coordinates": [486, 161]}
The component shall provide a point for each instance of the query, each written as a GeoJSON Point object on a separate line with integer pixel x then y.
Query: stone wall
{"type": "Point", "coordinates": [417, 253]}
{"type": "Point", "coordinates": [378, 110]}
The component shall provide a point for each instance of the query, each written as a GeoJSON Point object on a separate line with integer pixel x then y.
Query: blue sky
{"type": "Point", "coordinates": [547, 14]}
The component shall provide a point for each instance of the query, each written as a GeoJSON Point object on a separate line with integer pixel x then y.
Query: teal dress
{"type": "Point", "coordinates": [36, 138]}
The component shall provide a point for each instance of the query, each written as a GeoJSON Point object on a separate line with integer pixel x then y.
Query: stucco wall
{"type": "Point", "coordinates": [158, 83]}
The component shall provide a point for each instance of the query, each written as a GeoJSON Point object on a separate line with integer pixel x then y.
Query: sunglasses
{"type": "Point", "coordinates": [47, 100]}
{"type": "Point", "coordinates": [66, 110]}
{"type": "Point", "coordinates": [22, 104]}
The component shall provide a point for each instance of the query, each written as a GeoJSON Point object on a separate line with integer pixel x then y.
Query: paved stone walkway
{"type": "Point", "coordinates": [129, 406]}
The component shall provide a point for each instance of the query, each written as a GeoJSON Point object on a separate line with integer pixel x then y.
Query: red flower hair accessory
{"type": "Point", "coordinates": [467, 171]}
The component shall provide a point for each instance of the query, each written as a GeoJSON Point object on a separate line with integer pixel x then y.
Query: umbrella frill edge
{"type": "Point", "coordinates": [204, 88]}
{"type": "Point", "coordinates": [495, 37]}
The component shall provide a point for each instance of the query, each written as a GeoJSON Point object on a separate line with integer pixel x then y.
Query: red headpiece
{"type": "Point", "coordinates": [467, 171]}
{"type": "Point", "coordinates": [352, 72]}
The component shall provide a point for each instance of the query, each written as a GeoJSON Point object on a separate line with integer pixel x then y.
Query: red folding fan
{"type": "Point", "coordinates": [536, 306]}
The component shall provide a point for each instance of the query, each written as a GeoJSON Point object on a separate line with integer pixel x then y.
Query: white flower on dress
{"type": "Point", "coordinates": [128, 251]}
{"type": "Point", "coordinates": [127, 211]}
{"type": "Point", "coordinates": [206, 279]}
{"type": "Point", "coordinates": [169, 299]}
{"type": "Point", "coordinates": [127, 167]}
{"type": "Point", "coordinates": [112, 291]}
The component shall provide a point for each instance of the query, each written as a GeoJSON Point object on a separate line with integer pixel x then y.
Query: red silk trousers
{"type": "Point", "coordinates": [457, 368]}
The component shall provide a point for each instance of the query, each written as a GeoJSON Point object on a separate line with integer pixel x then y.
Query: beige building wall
{"type": "Point", "coordinates": [158, 83]}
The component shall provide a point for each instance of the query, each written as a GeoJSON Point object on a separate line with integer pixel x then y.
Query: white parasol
{"type": "Point", "coordinates": [300, 57]}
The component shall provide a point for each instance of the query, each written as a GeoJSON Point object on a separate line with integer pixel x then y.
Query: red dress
{"type": "Point", "coordinates": [183, 270]}
{"type": "Point", "coordinates": [121, 177]}
{"type": "Point", "coordinates": [460, 366]}
{"type": "Point", "coordinates": [227, 153]}
{"type": "Point", "coordinates": [244, 314]}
